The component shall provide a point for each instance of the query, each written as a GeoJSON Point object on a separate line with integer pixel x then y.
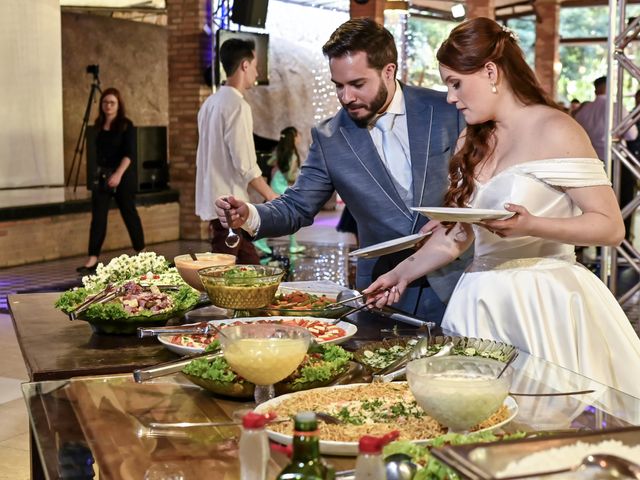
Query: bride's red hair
{"type": "Point", "coordinates": [467, 50]}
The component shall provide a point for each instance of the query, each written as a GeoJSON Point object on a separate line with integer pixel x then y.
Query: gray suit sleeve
{"type": "Point", "coordinates": [300, 203]}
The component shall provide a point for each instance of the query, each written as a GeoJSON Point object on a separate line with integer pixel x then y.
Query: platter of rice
{"type": "Point", "coordinates": [366, 409]}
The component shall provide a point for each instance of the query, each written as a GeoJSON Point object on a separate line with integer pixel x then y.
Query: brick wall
{"type": "Point", "coordinates": [59, 236]}
{"type": "Point", "coordinates": [185, 19]}
{"type": "Point", "coordinates": [547, 44]}
{"type": "Point", "coordinates": [373, 9]}
{"type": "Point", "coordinates": [480, 8]}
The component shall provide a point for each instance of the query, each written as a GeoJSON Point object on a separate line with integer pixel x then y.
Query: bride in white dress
{"type": "Point", "coordinates": [519, 152]}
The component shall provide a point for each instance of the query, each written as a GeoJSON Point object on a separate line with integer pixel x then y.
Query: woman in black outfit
{"type": "Point", "coordinates": [115, 176]}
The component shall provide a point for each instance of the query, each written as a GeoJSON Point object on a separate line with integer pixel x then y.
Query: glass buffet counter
{"type": "Point", "coordinates": [99, 426]}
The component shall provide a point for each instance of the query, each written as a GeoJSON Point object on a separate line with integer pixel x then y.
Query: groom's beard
{"type": "Point", "coordinates": [372, 109]}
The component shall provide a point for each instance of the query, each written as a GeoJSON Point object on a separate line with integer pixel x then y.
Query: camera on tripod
{"type": "Point", "coordinates": [93, 69]}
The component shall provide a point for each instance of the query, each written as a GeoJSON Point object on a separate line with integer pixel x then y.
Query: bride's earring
{"type": "Point", "coordinates": [493, 88]}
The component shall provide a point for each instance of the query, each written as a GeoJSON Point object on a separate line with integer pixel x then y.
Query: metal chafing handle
{"type": "Point", "coordinates": [143, 374]}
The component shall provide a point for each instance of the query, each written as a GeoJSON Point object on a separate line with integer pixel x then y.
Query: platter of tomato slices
{"type": "Point", "coordinates": [322, 329]}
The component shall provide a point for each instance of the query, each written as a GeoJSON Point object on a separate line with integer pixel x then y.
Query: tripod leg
{"type": "Point", "coordinates": [81, 137]}
{"type": "Point", "coordinates": [83, 131]}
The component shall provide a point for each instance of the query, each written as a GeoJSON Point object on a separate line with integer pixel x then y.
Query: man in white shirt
{"type": "Point", "coordinates": [592, 117]}
{"type": "Point", "coordinates": [385, 151]}
{"type": "Point", "coordinates": [226, 159]}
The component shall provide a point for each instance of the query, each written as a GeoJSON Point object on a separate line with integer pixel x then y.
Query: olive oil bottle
{"type": "Point", "coordinates": [306, 463]}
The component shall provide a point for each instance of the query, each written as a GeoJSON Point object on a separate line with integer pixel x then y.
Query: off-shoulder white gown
{"type": "Point", "coordinates": [531, 293]}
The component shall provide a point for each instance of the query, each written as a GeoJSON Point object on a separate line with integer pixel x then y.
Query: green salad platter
{"type": "Point", "coordinates": [128, 293]}
{"type": "Point", "coordinates": [323, 365]}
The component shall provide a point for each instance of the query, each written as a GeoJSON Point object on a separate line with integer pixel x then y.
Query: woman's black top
{"type": "Point", "coordinates": [113, 145]}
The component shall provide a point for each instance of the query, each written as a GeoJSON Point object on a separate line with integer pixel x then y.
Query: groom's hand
{"type": "Point", "coordinates": [232, 213]}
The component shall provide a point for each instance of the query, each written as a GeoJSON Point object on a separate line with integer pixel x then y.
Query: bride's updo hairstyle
{"type": "Point", "coordinates": [468, 48]}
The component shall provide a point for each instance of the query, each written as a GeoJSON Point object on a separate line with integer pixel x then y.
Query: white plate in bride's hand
{"type": "Point", "coordinates": [464, 215]}
{"type": "Point", "coordinates": [390, 246]}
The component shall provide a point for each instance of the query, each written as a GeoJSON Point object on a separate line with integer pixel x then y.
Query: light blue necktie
{"type": "Point", "coordinates": [394, 158]}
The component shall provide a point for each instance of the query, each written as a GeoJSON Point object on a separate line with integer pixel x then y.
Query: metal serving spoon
{"type": "Point", "coordinates": [398, 467]}
{"type": "Point", "coordinates": [233, 239]}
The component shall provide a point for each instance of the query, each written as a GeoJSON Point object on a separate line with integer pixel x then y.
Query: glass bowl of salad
{"type": "Point", "coordinates": [459, 392]}
{"type": "Point", "coordinates": [241, 286]}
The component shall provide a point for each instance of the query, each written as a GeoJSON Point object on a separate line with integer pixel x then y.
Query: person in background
{"type": "Point", "coordinates": [385, 151]}
{"type": "Point", "coordinates": [524, 286]}
{"type": "Point", "coordinates": [115, 177]}
{"type": "Point", "coordinates": [592, 117]}
{"type": "Point", "coordinates": [629, 181]}
{"type": "Point", "coordinates": [286, 168]}
{"type": "Point", "coordinates": [226, 163]}
{"type": "Point", "coordinates": [574, 106]}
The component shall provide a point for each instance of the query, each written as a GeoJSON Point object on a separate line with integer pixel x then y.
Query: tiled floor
{"type": "Point", "coordinates": [324, 258]}
{"type": "Point", "coordinates": [14, 439]}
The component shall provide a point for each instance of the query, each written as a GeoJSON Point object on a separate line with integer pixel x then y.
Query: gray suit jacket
{"type": "Point", "coordinates": [343, 158]}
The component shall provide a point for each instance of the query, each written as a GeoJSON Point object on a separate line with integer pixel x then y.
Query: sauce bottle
{"type": "Point", "coordinates": [254, 446]}
{"type": "Point", "coordinates": [370, 465]}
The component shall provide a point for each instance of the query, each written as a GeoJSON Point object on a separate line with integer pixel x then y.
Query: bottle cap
{"type": "Point", "coordinates": [370, 444]}
{"type": "Point", "coordinates": [253, 420]}
{"type": "Point", "coordinates": [306, 421]}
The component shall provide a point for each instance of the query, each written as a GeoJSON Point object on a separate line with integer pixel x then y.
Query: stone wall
{"type": "Point", "coordinates": [132, 57]}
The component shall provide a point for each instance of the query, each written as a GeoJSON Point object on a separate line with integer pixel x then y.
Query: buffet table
{"type": "Point", "coordinates": [55, 348]}
{"type": "Point", "coordinates": [98, 423]}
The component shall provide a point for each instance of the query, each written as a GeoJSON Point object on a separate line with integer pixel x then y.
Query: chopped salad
{"type": "Point", "coordinates": [139, 280]}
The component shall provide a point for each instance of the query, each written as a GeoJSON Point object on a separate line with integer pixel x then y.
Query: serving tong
{"type": "Point", "coordinates": [354, 298]}
{"type": "Point", "coordinates": [398, 368]}
{"type": "Point", "coordinates": [201, 328]}
{"type": "Point", "coordinates": [167, 368]}
{"type": "Point", "coordinates": [107, 294]}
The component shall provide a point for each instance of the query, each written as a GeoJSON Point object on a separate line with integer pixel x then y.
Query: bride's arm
{"type": "Point", "coordinates": [600, 222]}
{"type": "Point", "coordinates": [441, 248]}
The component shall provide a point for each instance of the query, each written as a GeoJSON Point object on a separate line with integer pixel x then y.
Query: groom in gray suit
{"type": "Point", "coordinates": [385, 151]}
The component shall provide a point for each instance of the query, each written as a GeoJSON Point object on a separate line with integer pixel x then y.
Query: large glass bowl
{"type": "Point", "coordinates": [241, 286]}
{"type": "Point", "coordinates": [264, 354]}
{"type": "Point", "coordinates": [188, 267]}
{"type": "Point", "coordinates": [459, 392]}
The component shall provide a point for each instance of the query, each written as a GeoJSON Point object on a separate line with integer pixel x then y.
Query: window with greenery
{"type": "Point", "coordinates": [583, 62]}
{"type": "Point", "coordinates": [418, 40]}
{"type": "Point", "coordinates": [525, 28]}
